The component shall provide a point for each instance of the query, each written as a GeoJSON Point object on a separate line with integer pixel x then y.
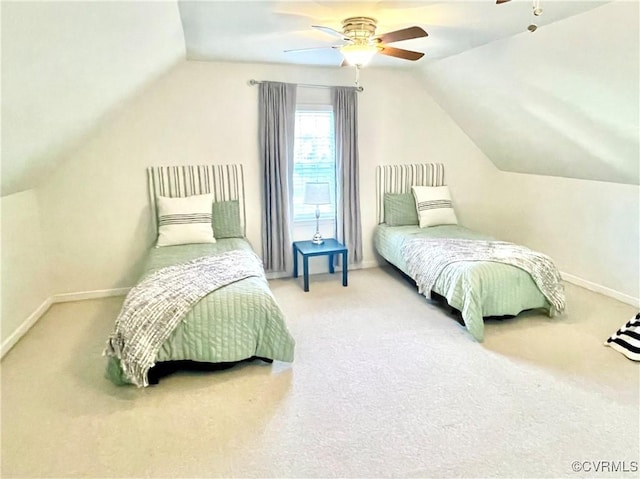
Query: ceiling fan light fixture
{"type": "Point", "coordinates": [358, 54]}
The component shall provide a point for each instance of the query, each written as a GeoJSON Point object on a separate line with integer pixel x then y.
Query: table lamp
{"type": "Point", "coordinates": [317, 193]}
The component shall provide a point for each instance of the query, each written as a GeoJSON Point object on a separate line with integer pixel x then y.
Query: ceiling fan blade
{"type": "Point", "coordinates": [399, 35]}
{"type": "Point", "coordinates": [295, 50]}
{"type": "Point", "coordinates": [498, 2]}
{"type": "Point", "coordinates": [331, 31]}
{"type": "Point", "coordinates": [400, 53]}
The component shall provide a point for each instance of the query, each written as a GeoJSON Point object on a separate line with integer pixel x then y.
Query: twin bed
{"type": "Point", "coordinates": [238, 321]}
{"type": "Point", "coordinates": [477, 275]}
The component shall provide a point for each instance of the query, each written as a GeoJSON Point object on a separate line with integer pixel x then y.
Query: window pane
{"type": "Point", "coordinates": [314, 160]}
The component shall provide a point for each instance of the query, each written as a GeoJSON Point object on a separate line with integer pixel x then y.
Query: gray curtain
{"type": "Point", "coordinates": [348, 223]}
{"type": "Point", "coordinates": [277, 109]}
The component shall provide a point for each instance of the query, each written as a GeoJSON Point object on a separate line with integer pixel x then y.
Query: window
{"type": "Point", "coordinates": [314, 159]}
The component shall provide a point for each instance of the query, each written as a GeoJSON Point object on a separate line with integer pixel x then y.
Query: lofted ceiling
{"type": "Point", "coordinates": [562, 102]}
{"type": "Point", "coordinates": [67, 64]}
{"type": "Point", "coordinates": [559, 101]}
{"type": "Point", "coordinates": [261, 31]}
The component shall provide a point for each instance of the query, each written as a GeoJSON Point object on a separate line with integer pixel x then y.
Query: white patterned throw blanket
{"type": "Point", "coordinates": [426, 258]}
{"type": "Point", "coordinates": [154, 307]}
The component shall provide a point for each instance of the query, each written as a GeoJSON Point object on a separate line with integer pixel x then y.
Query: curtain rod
{"type": "Point", "coordinates": [306, 85]}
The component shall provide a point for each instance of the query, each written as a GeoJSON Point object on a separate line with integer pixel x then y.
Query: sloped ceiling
{"type": "Point", "coordinates": [67, 64]}
{"type": "Point", "coordinates": [562, 101]}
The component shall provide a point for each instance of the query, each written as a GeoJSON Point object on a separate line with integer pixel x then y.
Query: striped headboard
{"type": "Point", "coordinates": [226, 182]}
{"type": "Point", "coordinates": [400, 179]}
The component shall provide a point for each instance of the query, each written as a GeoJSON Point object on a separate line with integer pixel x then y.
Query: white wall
{"type": "Point", "coordinates": [590, 228]}
{"type": "Point", "coordinates": [65, 65]}
{"type": "Point", "coordinates": [26, 285]}
{"type": "Point", "coordinates": [94, 206]}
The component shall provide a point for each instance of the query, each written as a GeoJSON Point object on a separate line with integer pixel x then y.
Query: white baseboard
{"type": "Point", "coordinates": [82, 295]}
{"type": "Point", "coordinates": [33, 318]}
{"type": "Point", "coordinates": [598, 288]}
{"type": "Point", "coordinates": [21, 330]}
{"type": "Point", "coordinates": [278, 275]}
{"type": "Point", "coordinates": [363, 265]}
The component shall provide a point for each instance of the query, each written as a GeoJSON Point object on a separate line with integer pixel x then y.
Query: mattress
{"type": "Point", "coordinates": [477, 289]}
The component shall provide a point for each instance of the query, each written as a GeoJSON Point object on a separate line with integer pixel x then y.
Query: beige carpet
{"type": "Point", "coordinates": [385, 384]}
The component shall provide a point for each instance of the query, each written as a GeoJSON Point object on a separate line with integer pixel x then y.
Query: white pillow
{"type": "Point", "coordinates": [434, 206]}
{"type": "Point", "coordinates": [184, 220]}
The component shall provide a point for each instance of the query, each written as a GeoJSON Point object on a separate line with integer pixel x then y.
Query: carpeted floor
{"type": "Point", "coordinates": [385, 384]}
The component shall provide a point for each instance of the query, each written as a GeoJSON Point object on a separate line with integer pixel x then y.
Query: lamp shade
{"type": "Point", "coordinates": [358, 54]}
{"type": "Point", "coordinates": [317, 193]}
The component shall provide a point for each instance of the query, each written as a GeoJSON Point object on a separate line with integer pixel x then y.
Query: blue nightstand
{"type": "Point", "coordinates": [330, 247]}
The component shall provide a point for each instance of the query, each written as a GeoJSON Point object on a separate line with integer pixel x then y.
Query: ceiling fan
{"type": "Point", "coordinates": [361, 42]}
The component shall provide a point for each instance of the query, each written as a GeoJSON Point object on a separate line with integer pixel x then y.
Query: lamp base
{"type": "Point", "coordinates": [317, 238]}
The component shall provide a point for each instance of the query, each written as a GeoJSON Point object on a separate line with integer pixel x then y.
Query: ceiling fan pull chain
{"type": "Point", "coordinates": [357, 75]}
{"type": "Point", "coordinates": [537, 10]}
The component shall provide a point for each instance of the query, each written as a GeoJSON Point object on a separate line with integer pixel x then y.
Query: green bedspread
{"type": "Point", "coordinates": [233, 323]}
{"type": "Point", "coordinates": [477, 289]}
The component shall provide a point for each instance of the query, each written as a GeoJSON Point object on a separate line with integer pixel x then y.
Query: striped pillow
{"type": "Point", "coordinates": [626, 340]}
{"type": "Point", "coordinates": [184, 220]}
{"type": "Point", "coordinates": [434, 206]}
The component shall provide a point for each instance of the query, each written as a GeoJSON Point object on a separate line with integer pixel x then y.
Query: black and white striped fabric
{"type": "Point", "coordinates": [626, 340]}
{"type": "Point", "coordinates": [185, 218]}
{"type": "Point", "coordinates": [400, 178]}
{"type": "Point", "coordinates": [225, 182]}
{"type": "Point", "coordinates": [434, 204]}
